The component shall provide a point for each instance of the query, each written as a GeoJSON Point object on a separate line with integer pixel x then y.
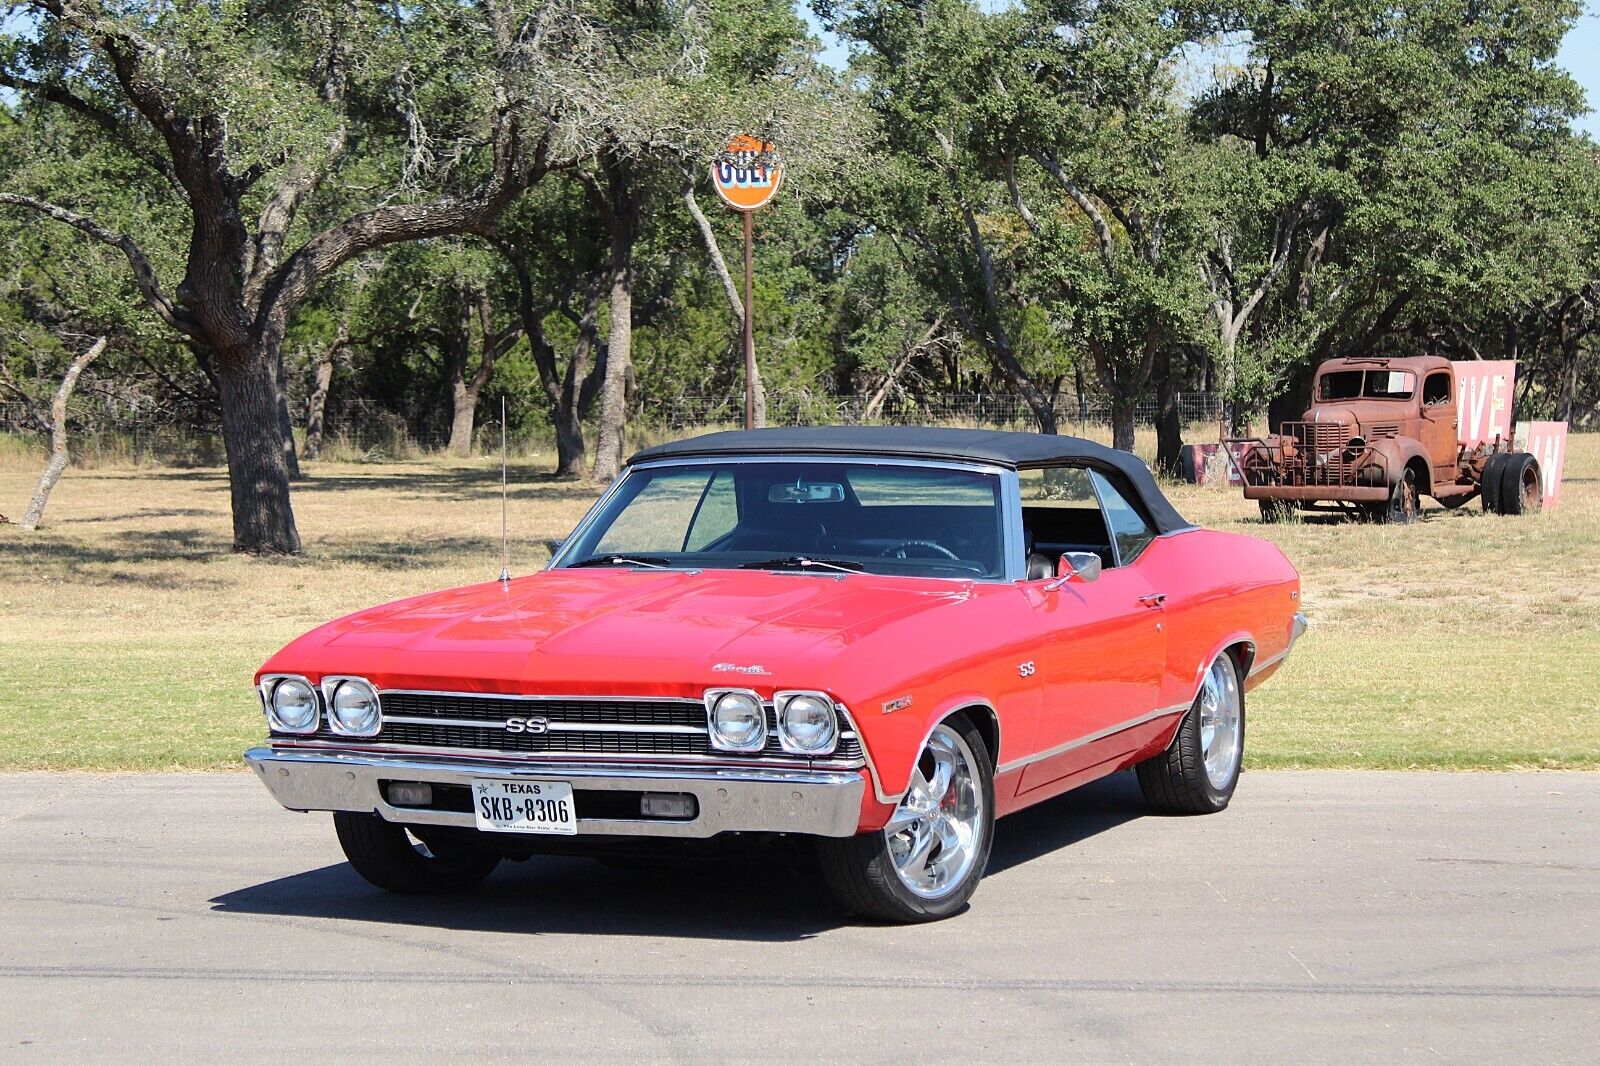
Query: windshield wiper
{"type": "Point", "coordinates": [647, 561]}
{"type": "Point", "coordinates": [802, 562]}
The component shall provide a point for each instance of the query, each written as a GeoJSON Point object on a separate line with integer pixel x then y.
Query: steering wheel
{"type": "Point", "coordinates": [899, 550]}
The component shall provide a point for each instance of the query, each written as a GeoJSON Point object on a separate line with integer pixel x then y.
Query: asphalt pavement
{"type": "Point", "coordinates": [1324, 917]}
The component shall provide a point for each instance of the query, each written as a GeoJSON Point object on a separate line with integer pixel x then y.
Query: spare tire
{"type": "Point", "coordinates": [1489, 483]}
{"type": "Point", "coordinates": [1521, 486]}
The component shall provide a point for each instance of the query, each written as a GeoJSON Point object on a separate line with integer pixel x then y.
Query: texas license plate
{"type": "Point", "coordinates": [524, 806]}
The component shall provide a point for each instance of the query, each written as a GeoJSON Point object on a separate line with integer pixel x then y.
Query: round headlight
{"type": "Point", "coordinates": [738, 723]}
{"type": "Point", "coordinates": [806, 724]}
{"type": "Point", "coordinates": [293, 707]}
{"type": "Point", "coordinates": [353, 709]}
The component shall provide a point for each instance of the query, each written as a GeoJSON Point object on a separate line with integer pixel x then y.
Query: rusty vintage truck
{"type": "Point", "coordinates": [1380, 434]}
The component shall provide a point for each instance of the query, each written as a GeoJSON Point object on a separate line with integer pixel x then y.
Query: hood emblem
{"type": "Point", "coordinates": [736, 668]}
{"type": "Point", "coordinates": [897, 705]}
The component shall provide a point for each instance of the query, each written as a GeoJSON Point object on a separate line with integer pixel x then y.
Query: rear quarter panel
{"type": "Point", "coordinates": [1222, 589]}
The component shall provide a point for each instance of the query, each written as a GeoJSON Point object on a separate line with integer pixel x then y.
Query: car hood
{"type": "Point", "coordinates": [617, 631]}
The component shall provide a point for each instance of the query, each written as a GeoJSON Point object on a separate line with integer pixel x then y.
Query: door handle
{"type": "Point", "coordinates": [1154, 599]}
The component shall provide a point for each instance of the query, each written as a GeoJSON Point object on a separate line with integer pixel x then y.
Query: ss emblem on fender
{"type": "Point", "coordinates": [1026, 669]}
{"type": "Point", "coordinates": [527, 725]}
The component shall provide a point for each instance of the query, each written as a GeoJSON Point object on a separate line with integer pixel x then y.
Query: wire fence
{"type": "Point", "coordinates": [377, 431]}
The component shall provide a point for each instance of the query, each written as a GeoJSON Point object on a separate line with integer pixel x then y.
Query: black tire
{"type": "Point", "coordinates": [1176, 781]}
{"type": "Point", "coordinates": [384, 854]}
{"type": "Point", "coordinates": [1521, 485]}
{"type": "Point", "coordinates": [1274, 511]}
{"type": "Point", "coordinates": [860, 871]}
{"type": "Point", "coordinates": [1489, 483]}
{"type": "Point", "coordinates": [1404, 506]}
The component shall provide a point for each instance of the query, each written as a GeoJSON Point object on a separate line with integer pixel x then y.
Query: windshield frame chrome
{"type": "Point", "coordinates": [1013, 564]}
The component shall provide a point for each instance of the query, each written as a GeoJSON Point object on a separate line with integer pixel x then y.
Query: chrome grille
{"type": "Point", "coordinates": [598, 728]}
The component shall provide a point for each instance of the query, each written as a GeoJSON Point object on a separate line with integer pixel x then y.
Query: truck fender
{"type": "Point", "coordinates": [1394, 454]}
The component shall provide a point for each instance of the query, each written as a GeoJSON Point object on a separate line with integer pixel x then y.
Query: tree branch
{"type": "Point", "coordinates": [1102, 229]}
{"type": "Point", "coordinates": [144, 275]}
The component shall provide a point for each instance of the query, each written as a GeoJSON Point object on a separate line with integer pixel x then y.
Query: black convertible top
{"type": "Point", "coordinates": [1016, 450]}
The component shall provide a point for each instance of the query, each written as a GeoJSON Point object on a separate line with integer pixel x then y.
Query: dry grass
{"type": "Point", "coordinates": [129, 630]}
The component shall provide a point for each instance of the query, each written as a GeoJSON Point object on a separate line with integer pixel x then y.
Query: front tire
{"type": "Point", "coordinates": [1273, 511]}
{"type": "Point", "coordinates": [927, 862]}
{"type": "Point", "coordinates": [1404, 506]}
{"type": "Point", "coordinates": [390, 857]}
{"type": "Point", "coordinates": [1200, 768]}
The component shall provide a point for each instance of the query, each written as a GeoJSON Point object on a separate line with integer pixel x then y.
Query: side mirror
{"type": "Point", "coordinates": [1085, 566]}
{"type": "Point", "coordinates": [553, 546]}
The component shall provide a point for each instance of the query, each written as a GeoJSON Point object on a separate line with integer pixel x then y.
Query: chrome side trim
{"type": "Point", "coordinates": [1297, 629]}
{"type": "Point", "coordinates": [1062, 749]}
{"type": "Point", "coordinates": [815, 802]}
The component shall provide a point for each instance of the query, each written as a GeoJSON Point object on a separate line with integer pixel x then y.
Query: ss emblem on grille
{"type": "Point", "coordinates": [527, 725]}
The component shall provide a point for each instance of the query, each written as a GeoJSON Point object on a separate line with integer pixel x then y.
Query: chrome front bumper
{"type": "Point", "coordinates": [818, 802]}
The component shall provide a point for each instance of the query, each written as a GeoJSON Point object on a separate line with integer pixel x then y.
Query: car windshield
{"type": "Point", "coordinates": [826, 517]}
{"type": "Point", "coordinates": [1367, 384]}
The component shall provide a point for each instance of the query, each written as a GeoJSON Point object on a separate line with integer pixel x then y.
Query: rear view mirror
{"type": "Point", "coordinates": [1085, 566]}
{"type": "Point", "coordinates": [799, 491]}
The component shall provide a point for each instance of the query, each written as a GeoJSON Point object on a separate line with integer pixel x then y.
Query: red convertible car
{"type": "Point", "coordinates": [878, 640]}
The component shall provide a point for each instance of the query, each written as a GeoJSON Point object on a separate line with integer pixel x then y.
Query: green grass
{"type": "Point", "coordinates": [129, 631]}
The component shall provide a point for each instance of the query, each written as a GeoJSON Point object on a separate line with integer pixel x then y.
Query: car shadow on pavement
{"type": "Point", "coordinates": [744, 897]}
{"type": "Point", "coordinates": [756, 894]}
{"type": "Point", "coordinates": [1066, 820]}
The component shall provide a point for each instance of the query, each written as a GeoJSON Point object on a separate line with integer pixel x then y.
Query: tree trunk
{"type": "Point", "coordinates": [1122, 412]}
{"type": "Point", "coordinates": [1169, 421]}
{"type": "Point", "coordinates": [263, 521]}
{"type": "Point", "coordinates": [59, 456]}
{"type": "Point", "coordinates": [1293, 400]}
{"type": "Point", "coordinates": [464, 411]}
{"type": "Point", "coordinates": [280, 383]}
{"type": "Point", "coordinates": [317, 403]}
{"type": "Point", "coordinates": [613, 387]}
{"type": "Point", "coordinates": [623, 222]}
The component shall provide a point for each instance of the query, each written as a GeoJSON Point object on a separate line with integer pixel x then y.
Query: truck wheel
{"type": "Point", "coordinates": [1521, 487]}
{"type": "Point", "coordinates": [1402, 508]}
{"type": "Point", "coordinates": [1276, 510]}
{"type": "Point", "coordinates": [388, 856]}
{"type": "Point", "coordinates": [1489, 483]}
{"type": "Point", "coordinates": [1200, 768]}
{"type": "Point", "coordinates": [926, 862]}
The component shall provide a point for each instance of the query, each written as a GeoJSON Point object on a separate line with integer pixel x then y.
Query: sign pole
{"type": "Point", "coordinates": [749, 324]}
{"type": "Point", "coordinates": [747, 175]}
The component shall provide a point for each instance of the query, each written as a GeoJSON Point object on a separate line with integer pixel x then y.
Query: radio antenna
{"type": "Point", "coordinates": [505, 527]}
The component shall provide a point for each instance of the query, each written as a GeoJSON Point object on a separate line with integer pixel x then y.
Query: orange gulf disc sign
{"type": "Point", "coordinates": [747, 174]}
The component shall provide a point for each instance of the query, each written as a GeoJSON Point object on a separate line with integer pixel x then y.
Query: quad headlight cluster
{"type": "Point", "coordinates": [293, 705]}
{"type": "Point", "coordinates": [807, 723]}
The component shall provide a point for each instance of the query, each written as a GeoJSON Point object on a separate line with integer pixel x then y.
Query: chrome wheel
{"type": "Point", "coordinates": [936, 833]}
{"type": "Point", "coordinates": [1221, 723]}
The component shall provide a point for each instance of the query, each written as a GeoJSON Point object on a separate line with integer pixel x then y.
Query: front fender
{"type": "Point", "coordinates": [892, 753]}
{"type": "Point", "coordinates": [1394, 454]}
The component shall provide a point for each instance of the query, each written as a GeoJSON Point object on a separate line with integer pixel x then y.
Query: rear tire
{"type": "Point", "coordinates": [389, 857]}
{"type": "Point", "coordinates": [874, 874]}
{"type": "Point", "coordinates": [1195, 775]}
{"type": "Point", "coordinates": [1489, 483]}
{"type": "Point", "coordinates": [1521, 486]}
